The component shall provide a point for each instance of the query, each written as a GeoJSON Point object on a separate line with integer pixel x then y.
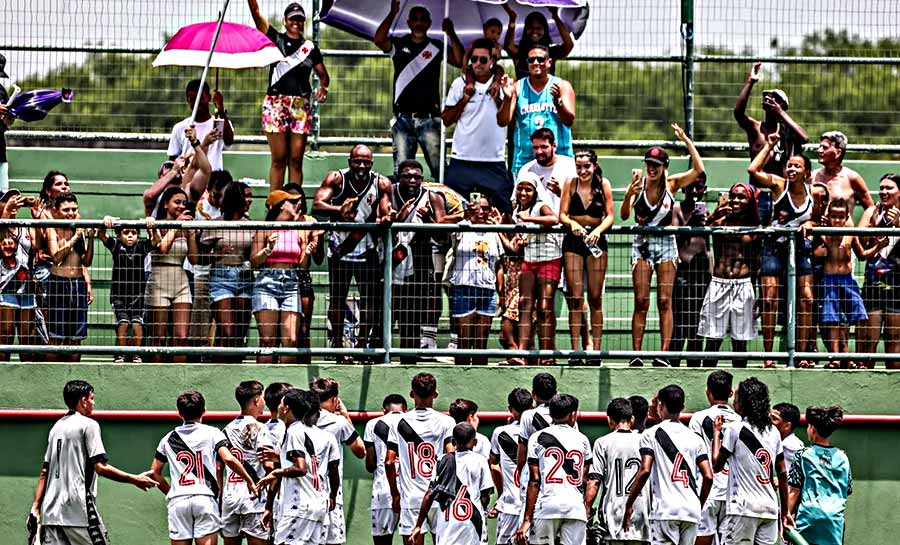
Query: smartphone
{"type": "Point", "coordinates": [474, 198]}
{"type": "Point", "coordinates": [219, 125]}
{"type": "Point", "coordinates": [30, 201]}
{"type": "Point", "coordinates": [723, 198]}
{"type": "Point", "coordinates": [190, 208]}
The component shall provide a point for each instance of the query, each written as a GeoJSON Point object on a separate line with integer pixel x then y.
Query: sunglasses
{"type": "Point", "coordinates": [479, 60]}
{"type": "Point", "coordinates": [297, 19]}
{"type": "Point", "coordinates": [533, 60]}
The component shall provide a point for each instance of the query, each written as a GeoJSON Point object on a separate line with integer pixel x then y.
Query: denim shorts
{"type": "Point", "coordinates": [67, 308]}
{"type": "Point", "coordinates": [467, 300]}
{"type": "Point", "coordinates": [775, 259]}
{"type": "Point", "coordinates": [228, 282]}
{"type": "Point", "coordinates": [276, 289]}
{"type": "Point", "coordinates": [655, 249]}
{"type": "Point", "coordinates": [17, 300]}
{"type": "Point", "coordinates": [128, 309]}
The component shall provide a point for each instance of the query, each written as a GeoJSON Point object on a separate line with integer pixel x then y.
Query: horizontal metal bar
{"type": "Point", "coordinates": [791, 59]}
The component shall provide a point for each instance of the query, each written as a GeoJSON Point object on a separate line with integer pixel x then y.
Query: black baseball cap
{"type": "Point", "coordinates": [6, 195]}
{"type": "Point", "coordinates": [293, 10]}
{"type": "Point", "coordinates": [3, 73]}
{"type": "Point", "coordinates": [657, 155]}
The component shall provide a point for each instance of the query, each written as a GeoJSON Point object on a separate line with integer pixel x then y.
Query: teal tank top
{"type": "Point", "coordinates": [534, 111]}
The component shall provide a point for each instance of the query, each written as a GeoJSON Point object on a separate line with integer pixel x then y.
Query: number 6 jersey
{"type": "Point", "coordinates": [677, 453]}
{"type": "Point", "coordinates": [418, 439]}
{"type": "Point", "coordinates": [560, 452]}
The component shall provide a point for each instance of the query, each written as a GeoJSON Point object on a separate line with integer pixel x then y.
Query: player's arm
{"type": "Point", "coordinates": [594, 481]}
{"type": "Point", "coordinates": [496, 473]}
{"type": "Point", "coordinates": [718, 454]}
{"type": "Point", "coordinates": [534, 486]}
{"type": "Point", "coordinates": [427, 501]}
{"type": "Point", "coordinates": [371, 458]}
{"type": "Point", "coordinates": [707, 473]}
{"type": "Point", "coordinates": [354, 441]}
{"type": "Point", "coordinates": [521, 456]}
{"type": "Point", "coordinates": [640, 479]}
{"type": "Point", "coordinates": [113, 473]}
{"type": "Point", "coordinates": [390, 472]}
{"type": "Point", "coordinates": [39, 491]}
{"type": "Point", "coordinates": [156, 473]}
{"type": "Point", "coordinates": [793, 499]}
{"type": "Point", "coordinates": [783, 492]}
{"type": "Point", "coordinates": [334, 482]}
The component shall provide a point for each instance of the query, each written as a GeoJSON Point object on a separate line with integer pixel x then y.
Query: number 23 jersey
{"type": "Point", "coordinates": [560, 452]}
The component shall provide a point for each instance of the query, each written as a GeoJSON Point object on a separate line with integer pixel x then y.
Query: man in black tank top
{"type": "Point", "coordinates": [356, 195]}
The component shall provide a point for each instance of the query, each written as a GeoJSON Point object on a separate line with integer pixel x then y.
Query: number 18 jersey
{"type": "Point", "coordinates": [617, 460]}
{"type": "Point", "coordinates": [677, 453]}
{"type": "Point", "coordinates": [418, 440]}
{"type": "Point", "coordinates": [560, 452]}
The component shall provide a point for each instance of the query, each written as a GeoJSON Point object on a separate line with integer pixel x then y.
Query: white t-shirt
{"type": "Point", "coordinates": [482, 445]}
{"type": "Point", "coordinates": [563, 169]}
{"type": "Point", "coordinates": [191, 450]}
{"type": "Point", "coordinates": [702, 424]}
{"type": "Point", "coordinates": [419, 440]}
{"type": "Point", "coordinates": [477, 137]}
{"type": "Point", "coordinates": [344, 433]}
{"type": "Point", "coordinates": [676, 480]}
{"type": "Point", "coordinates": [306, 497]}
{"type": "Point", "coordinates": [466, 475]}
{"type": "Point", "coordinates": [476, 258]}
{"type": "Point", "coordinates": [791, 444]}
{"type": "Point", "coordinates": [179, 145]}
{"type": "Point", "coordinates": [246, 436]}
{"type": "Point", "coordinates": [751, 470]}
{"type": "Point", "coordinates": [560, 452]}
{"type": "Point", "coordinates": [376, 436]}
{"type": "Point", "coordinates": [505, 447]}
{"type": "Point", "coordinates": [617, 460]}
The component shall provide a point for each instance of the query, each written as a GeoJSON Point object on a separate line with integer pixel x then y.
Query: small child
{"type": "Point", "coordinates": [126, 294]}
{"type": "Point", "coordinates": [492, 29]}
{"type": "Point", "coordinates": [820, 481]}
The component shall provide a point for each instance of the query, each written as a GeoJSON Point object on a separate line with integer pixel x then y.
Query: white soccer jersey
{"type": "Point", "coordinates": [534, 420]}
{"type": "Point", "coordinates": [458, 484]}
{"type": "Point", "coordinates": [307, 497]}
{"type": "Point", "coordinates": [376, 436]}
{"type": "Point", "coordinates": [344, 433]}
{"type": "Point", "coordinates": [191, 450]}
{"type": "Point", "coordinates": [751, 473]}
{"type": "Point", "coordinates": [675, 479]}
{"type": "Point", "coordinates": [560, 452]}
{"type": "Point", "coordinates": [419, 441]}
{"type": "Point", "coordinates": [276, 431]}
{"type": "Point", "coordinates": [504, 445]}
{"type": "Point", "coordinates": [246, 436]}
{"type": "Point", "coordinates": [702, 424]}
{"type": "Point", "coordinates": [617, 460]}
{"type": "Point", "coordinates": [791, 444]}
{"type": "Point", "coordinates": [482, 445]}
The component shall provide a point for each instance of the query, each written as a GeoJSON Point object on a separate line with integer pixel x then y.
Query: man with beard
{"type": "Point", "coordinates": [842, 182]}
{"type": "Point", "coordinates": [554, 169]}
{"type": "Point", "coordinates": [359, 195]}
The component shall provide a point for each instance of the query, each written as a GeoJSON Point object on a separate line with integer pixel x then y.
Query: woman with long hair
{"type": "Point", "coordinates": [536, 32]}
{"type": "Point", "coordinates": [586, 209]}
{"type": "Point", "coordinates": [17, 300]}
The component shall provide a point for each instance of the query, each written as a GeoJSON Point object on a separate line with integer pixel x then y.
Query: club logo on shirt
{"type": "Point", "coordinates": [426, 54]}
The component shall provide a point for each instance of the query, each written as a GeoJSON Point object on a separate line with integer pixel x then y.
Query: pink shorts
{"type": "Point", "coordinates": [544, 270]}
{"type": "Point", "coordinates": [283, 113]}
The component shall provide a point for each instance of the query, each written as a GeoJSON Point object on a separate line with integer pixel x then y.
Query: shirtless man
{"type": "Point", "coordinates": [842, 182]}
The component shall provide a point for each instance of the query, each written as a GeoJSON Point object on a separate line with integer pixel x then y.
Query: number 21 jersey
{"type": "Point", "coordinates": [191, 451]}
{"type": "Point", "coordinates": [419, 440]}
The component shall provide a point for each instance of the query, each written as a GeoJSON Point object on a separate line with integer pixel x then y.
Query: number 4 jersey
{"type": "Point", "coordinates": [677, 453]}
{"type": "Point", "coordinates": [459, 482]}
{"type": "Point", "coordinates": [751, 470]}
{"type": "Point", "coordinates": [419, 440]}
{"type": "Point", "coordinates": [617, 460]}
{"type": "Point", "coordinates": [560, 452]}
{"type": "Point", "coordinates": [191, 452]}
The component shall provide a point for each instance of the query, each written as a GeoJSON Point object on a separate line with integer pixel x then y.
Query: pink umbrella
{"type": "Point", "coordinates": [238, 46]}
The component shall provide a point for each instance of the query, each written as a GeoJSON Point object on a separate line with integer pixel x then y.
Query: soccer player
{"type": "Point", "coordinates": [334, 418]}
{"type": "Point", "coordinates": [639, 409]}
{"type": "Point", "coordinates": [241, 511]}
{"type": "Point", "coordinates": [559, 459]}
{"type": "Point", "coordinates": [672, 457]}
{"type": "Point", "coordinates": [191, 450]}
{"type": "Point", "coordinates": [504, 449]}
{"type": "Point", "coordinates": [820, 481]}
{"type": "Point", "coordinates": [465, 410]}
{"type": "Point", "coordinates": [617, 459]}
{"type": "Point", "coordinates": [375, 437]}
{"type": "Point", "coordinates": [462, 488]}
{"type": "Point", "coordinates": [421, 437]}
{"type": "Point", "coordinates": [66, 497]}
{"type": "Point", "coordinates": [307, 480]}
{"type": "Point", "coordinates": [755, 458]}
{"type": "Point", "coordinates": [543, 388]}
{"type": "Point", "coordinates": [786, 419]}
{"type": "Point", "coordinates": [273, 395]}
{"type": "Point", "coordinates": [718, 392]}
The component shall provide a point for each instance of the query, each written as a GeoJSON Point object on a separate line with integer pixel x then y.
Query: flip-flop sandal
{"type": "Point", "coordinates": [516, 361]}
{"type": "Point", "coordinates": [769, 364]}
{"type": "Point", "coordinates": [833, 364]}
{"type": "Point", "coordinates": [807, 364]}
{"type": "Point", "coordinates": [547, 361]}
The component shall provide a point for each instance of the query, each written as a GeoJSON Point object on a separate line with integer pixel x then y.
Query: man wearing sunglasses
{"type": "Point", "coordinates": [540, 101]}
{"type": "Point", "coordinates": [417, 75]}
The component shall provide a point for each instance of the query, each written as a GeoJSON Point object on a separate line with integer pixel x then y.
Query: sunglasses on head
{"type": "Point", "coordinates": [479, 60]}
{"type": "Point", "coordinates": [536, 59]}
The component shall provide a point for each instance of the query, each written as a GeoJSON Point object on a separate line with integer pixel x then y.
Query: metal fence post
{"type": "Point", "coordinates": [687, 64]}
{"type": "Point", "coordinates": [386, 327]}
{"type": "Point", "coordinates": [315, 103]}
{"type": "Point", "coordinates": [792, 298]}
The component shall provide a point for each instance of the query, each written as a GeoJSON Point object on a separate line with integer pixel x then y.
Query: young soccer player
{"type": "Point", "coordinates": [508, 482]}
{"type": "Point", "coordinates": [639, 409]}
{"type": "Point", "coordinates": [617, 459]}
{"type": "Point", "coordinates": [308, 479]}
{"type": "Point", "coordinates": [241, 511]}
{"type": "Point", "coordinates": [375, 437]}
{"type": "Point", "coordinates": [65, 501]}
{"type": "Point", "coordinates": [718, 392]}
{"type": "Point", "coordinates": [820, 481]}
{"type": "Point", "coordinates": [273, 395]}
{"type": "Point", "coordinates": [421, 438]}
{"type": "Point", "coordinates": [462, 488]}
{"type": "Point", "coordinates": [672, 457]}
{"type": "Point", "coordinates": [191, 450]}
{"type": "Point", "coordinates": [465, 410]}
{"type": "Point", "coordinates": [559, 459]}
{"type": "Point", "coordinates": [786, 419]}
{"type": "Point", "coordinates": [543, 388]}
{"type": "Point", "coordinates": [752, 449]}
{"type": "Point", "coordinates": [334, 418]}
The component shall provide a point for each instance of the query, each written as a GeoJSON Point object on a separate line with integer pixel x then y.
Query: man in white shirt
{"type": "Point", "coordinates": [204, 124]}
{"type": "Point", "coordinates": [375, 437]}
{"type": "Point", "coordinates": [466, 410]}
{"type": "Point", "coordinates": [554, 169]}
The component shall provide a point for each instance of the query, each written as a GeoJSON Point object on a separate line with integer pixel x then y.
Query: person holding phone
{"type": "Point", "coordinates": [203, 124]}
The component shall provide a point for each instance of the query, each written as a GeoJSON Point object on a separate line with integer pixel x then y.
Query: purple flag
{"type": "Point", "coordinates": [35, 105]}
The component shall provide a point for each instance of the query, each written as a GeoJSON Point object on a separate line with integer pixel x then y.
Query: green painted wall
{"type": "Point", "coordinates": [137, 517]}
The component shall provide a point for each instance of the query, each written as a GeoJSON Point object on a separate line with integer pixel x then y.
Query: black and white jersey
{"type": "Point", "coordinates": [345, 434]}
{"type": "Point", "coordinates": [560, 453]}
{"type": "Point", "coordinates": [376, 435]}
{"type": "Point", "coordinates": [534, 420]}
{"type": "Point", "coordinates": [702, 424]}
{"type": "Point", "coordinates": [191, 450]}
{"type": "Point", "coordinates": [617, 460]}
{"type": "Point", "coordinates": [246, 435]}
{"type": "Point", "coordinates": [751, 473]}
{"type": "Point", "coordinates": [419, 441]}
{"type": "Point", "coordinates": [676, 479]}
{"type": "Point", "coordinates": [505, 445]}
{"type": "Point", "coordinates": [457, 485]}
{"type": "Point", "coordinates": [276, 431]}
{"type": "Point", "coordinates": [482, 445]}
{"type": "Point", "coordinates": [306, 497]}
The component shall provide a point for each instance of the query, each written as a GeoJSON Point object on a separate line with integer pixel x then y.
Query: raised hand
{"type": "Point", "coordinates": [773, 138]}
{"type": "Point", "coordinates": [679, 133]}
{"type": "Point", "coordinates": [508, 85]}
{"type": "Point", "coordinates": [755, 71]}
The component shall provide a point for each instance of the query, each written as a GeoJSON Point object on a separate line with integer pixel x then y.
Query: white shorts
{"type": "Point", "coordinates": [712, 519]}
{"type": "Point", "coordinates": [73, 535]}
{"type": "Point", "coordinates": [728, 310]}
{"type": "Point", "coordinates": [561, 531]}
{"type": "Point", "coordinates": [507, 524]}
{"type": "Point", "coordinates": [193, 516]}
{"type": "Point", "coordinates": [740, 530]}
{"type": "Point", "coordinates": [298, 531]}
{"type": "Point", "coordinates": [335, 527]}
{"type": "Point", "coordinates": [384, 522]}
{"type": "Point", "coordinates": [244, 524]}
{"type": "Point", "coordinates": [672, 532]}
{"type": "Point", "coordinates": [409, 516]}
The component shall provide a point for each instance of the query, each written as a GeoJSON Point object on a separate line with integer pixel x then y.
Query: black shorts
{"type": "Point", "coordinates": [304, 283]}
{"type": "Point", "coordinates": [67, 308]}
{"type": "Point", "coordinates": [128, 309]}
{"type": "Point", "coordinates": [576, 245]}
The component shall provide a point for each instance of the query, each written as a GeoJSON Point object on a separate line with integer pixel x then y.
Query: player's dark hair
{"type": "Point", "coordinates": [543, 386]}
{"type": "Point", "coordinates": [247, 392]}
{"type": "Point", "coordinates": [424, 385]}
{"type": "Point", "coordinates": [463, 434]}
{"type": "Point", "coordinates": [720, 385]}
{"type": "Point", "coordinates": [312, 414]}
{"type": "Point", "coordinates": [639, 408]}
{"type": "Point", "coordinates": [325, 387]}
{"type": "Point", "coordinates": [462, 409]}
{"type": "Point", "coordinates": [194, 85]}
{"type": "Point", "coordinates": [672, 396]}
{"type": "Point", "coordinates": [393, 399]}
{"type": "Point", "coordinates": [48, 184]}
{"type": "Point", "coordinates": [562, 405]}
{"type": "Point", "coordinates": [493, 21]}
{"type": "Point", "coordinates": [64, 198]}
{"type": "Point", "coordinates": [233, 201]}
{"type": "Point", "coordinates": [753, 403]}
{"type": "Point", "coordinates": [409, 163]}
{"type": "Point", "coordinates": [191, 405]}
{"type": "Point", "coordinates": [520, 400]}
{"type": "Point", "coordinates": [619, 410]}
{"type": "Point", "coordinates": [544, 134]}
{"type": "Point", "coordinates": [218, 179]}
{"type": "Point", "coordinates": [74, 391]}
{"type": "Point", "coordinates": [789, 413]}
{"type": "Point", "coordinates": [297, 402]}
{"type": "Point", "coordinates": [825, 420]}
{"type": "Point", "coordinates": [273, 394]}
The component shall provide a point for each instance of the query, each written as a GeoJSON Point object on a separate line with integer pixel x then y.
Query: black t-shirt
{"type": "Point", "coordinates": [420, 95]}
{"type": "Point", "coordinates": [3, 98]}
{"type": "Point", "coordinates": [128, 268]}
{"type": "Point", "coordinates": [295, 82]}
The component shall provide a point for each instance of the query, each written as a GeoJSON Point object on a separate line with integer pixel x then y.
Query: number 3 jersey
{"type": "Point", "coordinates": [617, 460]}
{"type": "Point", "coordinates": [246, 436]}
{"type": "Point", "coordinates": [677, 453]}
{"type": "Point", "coordinates": [560, 453]}
{"type": "Point", "coordinates": [419, 440]}
{"type": "Point", "coordinates": [191, 451]}
{"type": "Point", "coordinates": [459, 481]}
{"type": "Point", "coordinates": [306, 497]}
{"type": "Point", "coordinates": [751, 470]}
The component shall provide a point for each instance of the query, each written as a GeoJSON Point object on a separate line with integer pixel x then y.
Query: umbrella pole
{"type": "Point", "coordinates": [443, 148]}
{"type": "Point", "coordinates": [212, 48]}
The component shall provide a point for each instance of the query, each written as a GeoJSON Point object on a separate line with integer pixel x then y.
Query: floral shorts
{"type": "Point", "coordinates": [511, 289]}
{"type": "Point", "coordinates": [282, 113]}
